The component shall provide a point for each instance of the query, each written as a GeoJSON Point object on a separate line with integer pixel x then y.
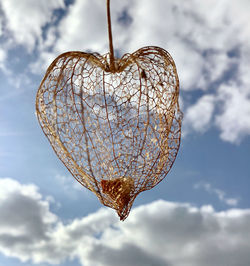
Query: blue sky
{"type": "Point", "coordinates": [199, 214]}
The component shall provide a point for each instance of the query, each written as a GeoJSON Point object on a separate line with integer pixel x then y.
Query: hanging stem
{"type": "Point", "coordinates": [111, 49]}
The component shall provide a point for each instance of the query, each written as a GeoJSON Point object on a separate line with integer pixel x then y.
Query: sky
{"type": "Point", "coordinates": [199, 215]}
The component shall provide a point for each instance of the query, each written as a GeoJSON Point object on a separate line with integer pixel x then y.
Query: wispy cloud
{"type": "Point", "coordinates": [159, 233]}
{"type": "Point", "coordinates": [71, 186]}
{"type": "Point", "coordinates": [4, 133]}
{"type": "Point", "coordinates": [221, 195]}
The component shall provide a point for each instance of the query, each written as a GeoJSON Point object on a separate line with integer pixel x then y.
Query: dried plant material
{"type": "Point", "coordinates": [114, 123]}
{"type": "Point", "coordinates": [119, 192]}
{"type": "Point", "coordinates": [107, 125]}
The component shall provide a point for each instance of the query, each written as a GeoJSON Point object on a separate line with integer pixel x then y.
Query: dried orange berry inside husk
{"type": "Point", "coordinates": [119, 190]}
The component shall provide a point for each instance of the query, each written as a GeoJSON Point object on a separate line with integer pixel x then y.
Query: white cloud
{"type": "Point", "coordinates": [71, 186]}
{"type": "Point", "coordinates": [3, 53]}
{"type": "Point", "coordinates": [25, 218]}
{"type": "Point", "coordinates": [84, 28]}
{"type": "Point", "coordinates": [191, 32]}
{"type": "Point", "coordinates": [160, 233]}
{"type": "Point", "coordinates": [233, 121]}
{"type": "Point", "coordinates": [25, 19]}
{"type": "Point", "coordinates": [45, 59]}
{"type": "Point", "coordinates": [199, 115]}
{"type": "Point", "coordinates": [3, 56]}
{"type": "Point", "coordinates": [240, 10]}
{"type": "Point", "coordinates": [1, 25]}
{"type": "Point", "coordinates": [219, 193]}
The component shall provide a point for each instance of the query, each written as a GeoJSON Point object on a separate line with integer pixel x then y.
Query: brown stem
{"type": "Point", "coordinates": [111, 49]}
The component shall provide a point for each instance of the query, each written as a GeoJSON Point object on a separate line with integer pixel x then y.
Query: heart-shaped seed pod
{"type": "Point", "coordinates": [114, 123]}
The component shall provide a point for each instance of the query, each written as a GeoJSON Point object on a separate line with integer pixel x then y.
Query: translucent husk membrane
{"type": "Point", "coordinates": [116, 130]}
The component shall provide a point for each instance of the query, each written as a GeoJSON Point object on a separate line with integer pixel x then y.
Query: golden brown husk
{"type": "Point", "coordinates": [116, 130]}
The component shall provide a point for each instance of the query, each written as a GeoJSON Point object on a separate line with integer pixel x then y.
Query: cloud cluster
{"type": "Point", "coordinates": [209, 45]}
{"type": "Point", "coordinates": [160, 233]}
{"type": "Point", "coordinates": [25, 20]}
{"type": "Point", "coordinates": [234, 121]}
{"type": "Point", "coordinates": [25, 218]}
{"type": "Point", "coordinates": [198, 116]}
